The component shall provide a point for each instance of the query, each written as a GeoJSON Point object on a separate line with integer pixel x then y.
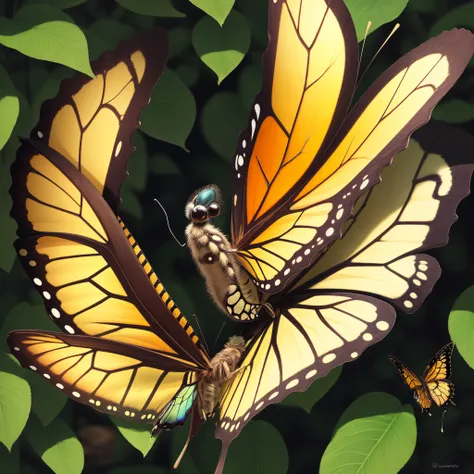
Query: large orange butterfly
{"type": "Point", "coordinates": [306, 172]}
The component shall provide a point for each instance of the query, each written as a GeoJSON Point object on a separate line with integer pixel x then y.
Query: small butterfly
{"type": "Point", "coordinates": [434, 386]}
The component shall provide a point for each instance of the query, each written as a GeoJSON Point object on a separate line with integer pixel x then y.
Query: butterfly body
{"type": "Point", "coordinates": [434, 385]}
{"type": "Point", "coordinates": [230, 287]}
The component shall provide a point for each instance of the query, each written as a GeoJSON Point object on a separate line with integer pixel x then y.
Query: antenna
{"type": "Point", "coordinates": [395, 28]}
{"type": "Point", "coordinates": [218, 336]}
{"type": "Point", "coordinates": [369, 24]}
{"type": "Point", "coordinates": [201, 333]}
{"type": "Point", "coordinates": [168, 224]}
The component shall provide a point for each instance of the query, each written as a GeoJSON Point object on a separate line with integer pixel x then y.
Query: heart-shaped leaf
{"type": "Point", "coordinates": [171, 113]}
{"type": "Point", "coordinates": [454, 111]}
{"type": "Point", "coordinates": [222, 49]}
{"type": "Point", "coordinates": [461, 325]}
{"type": "Point", "coordinates": [57, 446]}
{"type": "Point", "coordinates": [138, 435]}
{"type": "Point", "coordinates": [44, 32]}
{"type": "Point", "coordinates": [217, 9]}
{"type": "Point", "coordinates": [220, 128]}
{"type": "Point", "coordinates": [9, 107]}
{"type": "Point", "coordinates": [375, 434]}
{"type": "Point", "coordinates": [15, 400]}
{"type": "Point", "coordinates": [162, 8]}
{"type": "Point", "coordinates": [378, 12]}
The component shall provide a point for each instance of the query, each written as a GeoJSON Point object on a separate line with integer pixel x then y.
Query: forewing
{"type": "Point", "coordinates": [409, 377]}
{"type": "Point", "coordinates": [411, 210]}
{"type": "Point", "coordinates": [379, 126]}
{"type": "Point", "coordinates": [91, 121]}
{"type": "Point", "coordinates": [301, 344]}
{"type": "Point", "coordinates": [112, 377]}
{"type": "Point", "coordinates": [309, 73]}
{"type": "Point", "coordinates": [79, 259]}
{"type": "Point", "coordinates": [439, 367]}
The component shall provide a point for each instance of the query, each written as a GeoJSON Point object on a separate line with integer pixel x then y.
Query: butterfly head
{"type": "Point", "coordinates": [204, 205]}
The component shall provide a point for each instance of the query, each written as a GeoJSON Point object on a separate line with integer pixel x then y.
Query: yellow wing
{"type": "Point", "coordinates": [410, 211]}
{"type": "Point", "coordinates": [407, 375]}
{"type": "Point", "coordinates": [301, 344]}
{"type": "Point", "coordinates": [90, 121]}
{"type": "Point", "coordinates": [328, 318]}
{"type": "Point", "coordinates": [296, 183]}
{"type": "Point", "coordinates": [112, 377]}
{"type": "Point", "coordinates": [441, 391]}
{"type": "Point", "coordinates": [79, 259]}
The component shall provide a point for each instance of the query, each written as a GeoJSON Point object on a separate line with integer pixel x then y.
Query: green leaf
{"type": "Point", "coordinates": [307, 399]}
{"type": "Point", "coordinates": [461, 325]}
{"type": "Point", "coordinates": [47, 401]}
{"type": "Point", "coordinates": [138, 435]}
{"type": "Point", "coordinates": [62, 4]}
{"type": "Point", "coordinates": [188, 74]}
{"type": "Point", "coordinates": [180, 39]}
{"type": "Point", "coordinates": [171, 113]}
{"type": "Point", "coordinates": [179, 435]}
{"type": "Point", "coordinates": [161, 8]}
{"type": "Point", "coordinates": [138, 166]}
{"type": "Point", "coordinates": [130, 204]}
{"type": "Point", "coordinates": [222, 49]}
{"type": "Point", "coordinates": [220, 128]}
{"type": "Point", "coordinates": [250, 83]}
{"type": "Point", "coordinates": [25, 316]}
{"type": "Point", "coordinates": [217, 9]}
{"type": "Point", "coordinates": [10, 461]}
{"type": "Point", "coordinates": [138, 469]}
{"type": "Point", "coordinates": [258, 449]}
{"type": "Point", "coordinates": [44, 32]}
{"type": "Point", "coordinates": [111, 32]}
{"type": "Point", "coordinates": [257, 16]}
{"type": "Point", "coordinates": [15, 400]}
{"type": "Point", "coordinates": [57, 446]}
{"type": "Point", "coordinates": [161, 163]}
{"type": "Point", "coordinates": [459, 16]}
{"type": "Point", "coordinates": [378, 12]}
{"type": "Point", "coordinates": [9, 107]}
{"type": "Point", "coordinates": [454, 111]}
{"type": "Point", "coordinates": [422, 6]}
{"type": "Point", "coordinates": [375, 434]}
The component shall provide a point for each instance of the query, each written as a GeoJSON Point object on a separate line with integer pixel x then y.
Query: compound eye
{"type": "Point", "coordinates": [214, 210]}
{"type": "Point", "coordinates": [199, 214]}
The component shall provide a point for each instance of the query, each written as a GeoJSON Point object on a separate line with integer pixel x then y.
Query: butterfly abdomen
{"type": "Point", "coordinates": [221, 369]}
{"type": "Point", "coordinates": [230, 288]}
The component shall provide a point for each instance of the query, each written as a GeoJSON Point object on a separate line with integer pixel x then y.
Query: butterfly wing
{"type": "Point", "coordinates": [411, 211]}
{"type": "Point", "coordinates": [439, 367]}
{"type": "Point", "coordinates": [281, 217]}
{"type": "Point", "coordinates": [91, 121]}
{"type": "Point", "coordinates": [436, 373]}
{"type": "Point", "coordinates": [441, 391]}
{"type": "Point", "coordinates": [112, 377]}
{"type": "Point", "coordinates": [84, 266]}
{"type": "Point", "coordinates": [328, 317]}
{"type": "Point", "coordinates": [414, 383]}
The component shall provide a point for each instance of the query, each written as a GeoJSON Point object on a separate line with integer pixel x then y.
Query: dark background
{"type": "Point", "coordinates": [415, 338]}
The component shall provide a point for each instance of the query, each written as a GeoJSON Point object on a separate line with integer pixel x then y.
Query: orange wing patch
{"type": "Point", "coordinates": [293, 115]}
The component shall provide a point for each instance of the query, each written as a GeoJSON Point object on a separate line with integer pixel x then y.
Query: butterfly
{"type": "Point", "coordinates": [325, 236]}
{"type": "Point", "coordinates": [132, 352]}
{"type": "Point", "coordinates": [126, 348]}
{"type": "Point", "coordinates": [434, 385]}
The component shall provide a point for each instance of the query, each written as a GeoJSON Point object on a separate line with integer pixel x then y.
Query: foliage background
{"type": "Point", "coordinates": [187, 140]}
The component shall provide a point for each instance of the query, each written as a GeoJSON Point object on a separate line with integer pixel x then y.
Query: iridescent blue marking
{"type": "Point", "coordinates": [206, 197]}
{"type": "Point", "coordinates": [177, 410]}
